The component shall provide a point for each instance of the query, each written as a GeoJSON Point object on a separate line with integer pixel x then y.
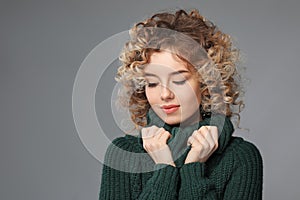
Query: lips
{"type": "Point", "coordinates": [170, 108]}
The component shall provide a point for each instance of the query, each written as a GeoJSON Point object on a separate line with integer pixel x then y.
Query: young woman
{"type": "Point", "coordinates": [181, 87]}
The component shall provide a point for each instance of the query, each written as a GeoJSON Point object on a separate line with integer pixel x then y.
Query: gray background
{"type": "Point", "coordinates": [43, 43]}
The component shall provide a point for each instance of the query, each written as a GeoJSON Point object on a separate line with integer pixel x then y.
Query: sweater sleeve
{"type": "Point", "coordinates": [194, 183]}
{"type": "Point", "coordinates": [247, 180]}
{"type": "Point", "coordinates": [244, 183]}
{"type": "Point", "coordinates": [117, 184]}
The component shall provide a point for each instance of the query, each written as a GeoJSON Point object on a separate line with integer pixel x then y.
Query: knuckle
{"type": "Point", "coordinates": [211, 145]}
{"type": "Point", "coordinates": [189, 140]}
{"type": "Point", "coordinates": [153, 127]}
{"type": "Point", "coordinates": [216, 145]}
{"type": "Point", "coordinates": [143, 130]}
{"type": "Point", "coordinates": [205, 134]}
{"type": "Point", "coordinates": [165, 133]}
{"type": "Point", "coordinates": [215, 132]}
{"type": "Point", "coordinates": [202, 128]}
{"type": "Point", "coordinates": [144, 135]}
{"type": "Point", "coordinates": [161, 129]}
{"type": "Point", "coordinates": [145, 146]}
{"type": "Point", "coordinates": [214, 129]}
{"type": "Point", "coordinates": [195, 133]}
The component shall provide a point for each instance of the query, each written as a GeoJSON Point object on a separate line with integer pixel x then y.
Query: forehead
{"type": "Point", "coordinates": [164, 62]}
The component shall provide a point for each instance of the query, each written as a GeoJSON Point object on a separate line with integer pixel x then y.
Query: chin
{"type": "Point", "coordinates": [175, 120]}
{"type": "Point", "coordinates": [171, 121]}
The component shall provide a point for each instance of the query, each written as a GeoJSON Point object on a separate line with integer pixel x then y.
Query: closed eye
{"type": "Point", "coordinates": [179, 82]}
{"type": "Point", "coordinates": [152, 84]}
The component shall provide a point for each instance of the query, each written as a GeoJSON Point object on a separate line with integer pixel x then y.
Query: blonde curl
{"type": "Point", "coordinates": [219, 79]}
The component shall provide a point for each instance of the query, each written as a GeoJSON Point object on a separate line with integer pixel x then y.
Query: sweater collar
{"type": "Point", "coordinates": [181, 134]}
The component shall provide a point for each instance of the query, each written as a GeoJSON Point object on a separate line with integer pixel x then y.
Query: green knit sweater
{"type": "Point", "coordinates": [233, 172]}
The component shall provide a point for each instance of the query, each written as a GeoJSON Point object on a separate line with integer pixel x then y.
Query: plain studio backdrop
{"type": "Point", "coordinates": [43, 44]}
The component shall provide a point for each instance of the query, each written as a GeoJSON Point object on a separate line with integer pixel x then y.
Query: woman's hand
{"type": "Point", "coordinates": [155, 143]}
{"type": "Point", "coordinates": [204, 142]}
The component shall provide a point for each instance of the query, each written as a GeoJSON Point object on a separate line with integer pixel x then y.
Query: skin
{"type": "Point", "coordinates": [170, 82]}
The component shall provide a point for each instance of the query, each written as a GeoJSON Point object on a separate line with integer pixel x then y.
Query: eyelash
{"type": "Point", "coordinates": [176, 82]}
{"type": "Point", "coordinates": [152, 84]}
{"type": "Point", "coordinates": [179, 82]}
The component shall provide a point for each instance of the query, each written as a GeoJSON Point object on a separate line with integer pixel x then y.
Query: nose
{"type": "Point", "coordinates": [166, 93]}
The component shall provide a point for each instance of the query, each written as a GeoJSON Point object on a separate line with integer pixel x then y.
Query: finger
{"type": "Point", "coordinates": [212, 137]}
{"type": "Point", "coordinates": [200, 138]}
{"type": "Point", "coordinates": [145, 133]}
{"type": "Point", "coordinates": [158, 133]}
{"type": "Point", "coordinates": [190, 141]}
{"type": "Point", "coordinates": [203, 129]}
{"type": "Point", "coordinates": [165, 136]}
{"type": "Point", "coordinates": [192, 138]}
{"type": "Point", "coordinates": [214, 133]}
{"type": "Point", "coordinates": [209, 138]}
{"type": "Point", "coordinates": [149, 132]}
{"type": "Point", "coordinates": [215, 136]}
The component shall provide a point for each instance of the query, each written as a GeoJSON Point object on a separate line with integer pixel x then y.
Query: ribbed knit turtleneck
{"type": "Point", "coordinates": [180, 134]}
{"type": "Point", "coordinates": [233, 172]}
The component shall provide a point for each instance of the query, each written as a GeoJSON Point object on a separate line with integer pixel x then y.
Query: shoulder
{"type": "Point", "coordinates": [124, 154]}
{"type": "Point", "coordinates": [245, 152]}
{"type": "Point", "coordinates": [129, 143]}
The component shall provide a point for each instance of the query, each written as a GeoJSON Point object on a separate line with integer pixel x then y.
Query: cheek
{"type": "Point", "coordinates": [151, 96]}
{"type": "Point", "coordinates": [189, 94]}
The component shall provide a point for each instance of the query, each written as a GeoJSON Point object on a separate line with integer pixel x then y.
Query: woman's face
{"type": "Point", "coordinates": [172, 90]}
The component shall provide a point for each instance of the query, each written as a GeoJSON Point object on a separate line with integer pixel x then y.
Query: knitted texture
{"type": "Point", "coordinates": [233, 172]}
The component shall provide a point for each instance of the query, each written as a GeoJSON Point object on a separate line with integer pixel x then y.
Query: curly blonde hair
{"type": "Point", "coordinates": [218, 78]}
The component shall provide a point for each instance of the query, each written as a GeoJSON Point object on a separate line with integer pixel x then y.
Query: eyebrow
{"type": "Point", "coordinates": [172, 73]}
